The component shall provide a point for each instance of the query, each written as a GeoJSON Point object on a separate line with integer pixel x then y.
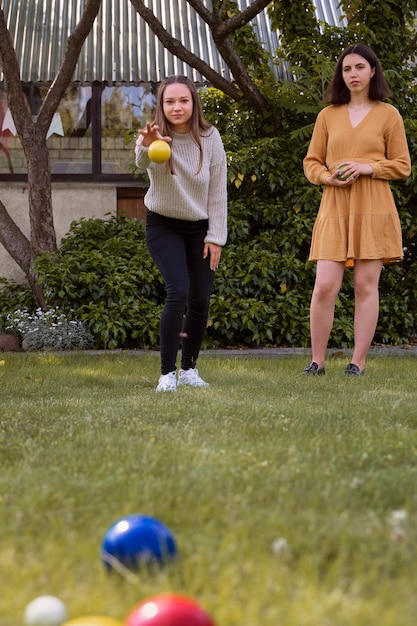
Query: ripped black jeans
{"type": "Point", "coordinates": [176, 246]}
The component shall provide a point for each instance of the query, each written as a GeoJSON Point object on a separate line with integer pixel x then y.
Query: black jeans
{"type": "Point", "coordinates": [176, 246]}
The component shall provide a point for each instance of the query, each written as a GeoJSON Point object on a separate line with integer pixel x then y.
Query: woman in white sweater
{"type": "Point", "coordinates": [186, 222]}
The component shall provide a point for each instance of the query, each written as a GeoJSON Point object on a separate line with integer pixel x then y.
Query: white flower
{"type": "Point", "coordinates": [398, 534]}
{"type": "Point", "coordinates": [397, 521]}
{"type": "Point", "coordinates": [280, 547]}
{"type": "Point", "coordinates": [49, 329]}
{"type": "Point", "coordinates": [398, 517]}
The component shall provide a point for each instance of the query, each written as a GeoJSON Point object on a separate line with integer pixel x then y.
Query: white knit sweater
{"type": "Point", "coordinates": [186, 195]}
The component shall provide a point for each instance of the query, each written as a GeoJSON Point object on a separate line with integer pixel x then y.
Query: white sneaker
{"type": "Point", "coordinates": [167, 382]}
{"type": "Point", "coordinates": [192, 378]}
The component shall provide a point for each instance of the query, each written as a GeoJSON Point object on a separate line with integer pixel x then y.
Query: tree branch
{"type": "Point", "coordinates": [14, 241]}
{"type": "Point", "coordinates": [244, 17]}
{"type": "Point", "coordinates": [11, 71]}
{"type": "Point", "coordinates": [224, 46]}
{"type": "Point", "coordinates": [177, 48]}
{"type": "Point", "coordinates": [226, 27]}
{"type": "Point", "coordinates": [220, 30]}
{"type": "Point", "coordinates": [206, 15]}
{"type": "Point", "coordinates": [63, 78]}
{"type": "Point", "coordinates": [12, 82]}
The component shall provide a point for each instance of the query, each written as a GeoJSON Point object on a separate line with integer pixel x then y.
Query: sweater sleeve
{"type": "Point", "coordinates": [397, 162]}
{"type": "Point", "coordinates": [314, 163]}
{"type": "Point", "coordinates": [142, 159]}
{"type": "Point", "coordinates": [217, 199]}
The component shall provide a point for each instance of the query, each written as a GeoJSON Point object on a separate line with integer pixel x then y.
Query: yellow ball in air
{"type": "Point", "coordinates": [159, 151]}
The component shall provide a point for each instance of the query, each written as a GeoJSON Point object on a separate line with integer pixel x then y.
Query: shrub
{"type": "Point", "coordinates": [49, 329]}
{"type": "Point", "coordinates": [14, 296]}
{"type": "Point", "coordinates": [104, 274]}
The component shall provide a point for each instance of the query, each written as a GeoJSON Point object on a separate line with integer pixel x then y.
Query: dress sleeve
{"type": "Point", "coordinates": [314, 163]}
{"type": "Point", "coordinates": [397, 162]}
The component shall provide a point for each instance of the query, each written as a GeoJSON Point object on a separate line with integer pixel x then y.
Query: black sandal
{"type": "Point", "coordinates": [353, 370]}
{"type": "Point", "coordinates": [314, 369]}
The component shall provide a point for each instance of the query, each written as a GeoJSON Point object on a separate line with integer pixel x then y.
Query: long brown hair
{"type": "Point", "coordinates": [338, 93]}
{"type": "Point", "coordinates": [198, 122]}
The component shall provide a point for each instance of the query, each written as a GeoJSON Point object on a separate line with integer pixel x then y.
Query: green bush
{"type": "Point", "coordinates": [104, 274]}
{"type": "Point", "coordinates": [14, 296]}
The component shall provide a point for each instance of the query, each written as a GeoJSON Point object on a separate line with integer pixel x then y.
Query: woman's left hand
{"type": "Point", "coordinates": [214, 251]}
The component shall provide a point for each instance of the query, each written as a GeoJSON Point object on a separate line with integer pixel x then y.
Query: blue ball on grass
{"type": "Point", "coordinates": [135, 541]}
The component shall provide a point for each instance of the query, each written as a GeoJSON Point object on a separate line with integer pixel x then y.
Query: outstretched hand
{"type": "Point", "coordinates": [149, 134]}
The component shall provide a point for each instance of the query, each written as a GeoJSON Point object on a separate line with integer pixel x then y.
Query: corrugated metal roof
{"type": "Point", "coordinates": [121, 46]}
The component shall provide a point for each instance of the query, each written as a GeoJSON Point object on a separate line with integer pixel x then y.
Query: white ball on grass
{"type": "Point", "coordinates": [45, 611]}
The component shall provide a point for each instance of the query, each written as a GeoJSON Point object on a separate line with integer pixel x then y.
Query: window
{"type": "Point", "coordinates": [91, 135]}
{"type": "Point", "coordinates": [124, 109]}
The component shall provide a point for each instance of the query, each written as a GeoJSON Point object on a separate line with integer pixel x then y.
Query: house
{"type": "Point", "coordinates": [112, 94]}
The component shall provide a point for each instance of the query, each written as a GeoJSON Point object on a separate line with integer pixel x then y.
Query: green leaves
{"type": "Point", "coordinates": [105, 274]}
{"type": "Point", "coordinates": [13, 296]}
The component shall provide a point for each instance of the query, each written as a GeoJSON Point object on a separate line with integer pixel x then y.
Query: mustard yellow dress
{"type": "Point", "coordinates": [359, 221]}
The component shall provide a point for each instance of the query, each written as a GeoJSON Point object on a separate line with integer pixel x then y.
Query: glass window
{"type": "Point", "coordinates": [70, 143]}
{"type": "Point", "coordinates": [124, 109]}
{"type": "Point", "coordinates": [12, 159]}
{"type": "Point", "coordinates": [92, 132]}
{"type": "Point", "coordinates": [69, 135]}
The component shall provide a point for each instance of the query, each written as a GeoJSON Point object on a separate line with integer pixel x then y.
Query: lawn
{"type": "Point", "coordinates": [292, 499]}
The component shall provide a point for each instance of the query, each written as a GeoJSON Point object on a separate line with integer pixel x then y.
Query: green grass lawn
{"type": "Point", "coordinates": [279, 488]}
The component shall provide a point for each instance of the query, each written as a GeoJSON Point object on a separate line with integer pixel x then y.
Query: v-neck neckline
{"type": "Point", "coordinates": [353, 127]}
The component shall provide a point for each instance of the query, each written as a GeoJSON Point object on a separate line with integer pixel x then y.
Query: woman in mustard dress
{"type": "Point", "coordinates": [358, 145]}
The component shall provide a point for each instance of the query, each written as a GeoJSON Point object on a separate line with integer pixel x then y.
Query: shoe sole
{"type": "Point", "coordinates": [192, 385]}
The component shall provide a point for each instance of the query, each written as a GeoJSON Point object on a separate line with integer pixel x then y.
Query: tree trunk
{"type": "Point", "coordinates": [42, 229]}
{"type": "Point", "coordinates": [33, 138]}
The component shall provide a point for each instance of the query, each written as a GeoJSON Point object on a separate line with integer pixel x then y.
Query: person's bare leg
{"type": "Point", "coordinates": [329, 276]}
{"type": "Point", "coordinates": [366, 282]}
